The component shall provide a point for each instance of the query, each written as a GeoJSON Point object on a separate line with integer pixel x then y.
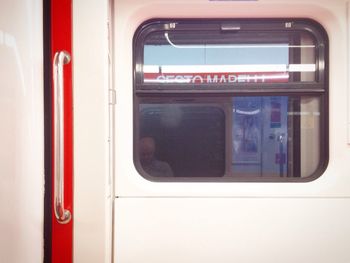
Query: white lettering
{"type": "Point", "coordinates": [256, 77]}
{"type": "Point", "coordinates": [161, 78]}
{"type": "Point", "coordinates": [197, 77]}
{"type": "Point", "coordinates": [187, 78]}
{"type": "Point", "coordinates": [170, 77]}
{"type": "Point", "coordinates": [232, 78]}
{"type": "Point", "coordinates": [242, 78]}
{"type": "Point", "coordinates": [223, 79]}
{"type": "Point", "coordinates": [215, 78]}
{"type": "Point", "coordinates": [212, 80]}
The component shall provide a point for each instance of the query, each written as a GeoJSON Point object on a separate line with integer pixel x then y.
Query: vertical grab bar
{"type": "Point", "coordinates": [63, 215]}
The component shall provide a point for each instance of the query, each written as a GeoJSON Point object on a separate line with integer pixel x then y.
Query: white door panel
{"type": "Point", "coordinates": [229, 230]}
{"type": "Point", "coordinates": [231, 222]}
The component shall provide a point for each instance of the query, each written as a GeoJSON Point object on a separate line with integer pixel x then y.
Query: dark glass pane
{"type": "Point", "coordinates": [190, 138]}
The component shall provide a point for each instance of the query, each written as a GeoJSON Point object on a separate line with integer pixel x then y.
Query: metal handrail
{"type": "Point", "coordinates": [61, 58]}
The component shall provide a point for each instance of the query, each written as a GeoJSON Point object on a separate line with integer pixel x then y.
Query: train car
{"type": "Point", "coordinates": [175, 131]}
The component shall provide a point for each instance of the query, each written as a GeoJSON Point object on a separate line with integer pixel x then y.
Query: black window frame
{"type": "Point", "coordinates": [317, 88]}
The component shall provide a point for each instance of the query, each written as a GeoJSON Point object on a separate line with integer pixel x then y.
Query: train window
{"type": "Point", "coordinates": [231, 100]}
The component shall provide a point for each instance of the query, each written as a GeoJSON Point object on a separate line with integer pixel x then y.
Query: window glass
{"type": "Point", "coordinates": [272, 136]}
{"type": "Point", "coordinates": [231, 100]}
{"type": "Point", "coordinates": [275, 136]}
{"type": "Point", "coordinates": [189, 137]}
{"type": "Point", "coordinates": [238, 58]}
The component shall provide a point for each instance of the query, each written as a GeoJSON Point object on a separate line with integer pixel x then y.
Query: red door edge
{"type": "Point", "coordinates": [61, 40]}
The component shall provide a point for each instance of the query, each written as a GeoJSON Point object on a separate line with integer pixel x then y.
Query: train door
{"type": "Point", "coordinates": [78, 186]}
{"type": "Point", "coordinates": [221, 133]}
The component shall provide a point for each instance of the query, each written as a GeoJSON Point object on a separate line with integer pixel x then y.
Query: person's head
{"type": "Point", "coordinates": [147, 149]}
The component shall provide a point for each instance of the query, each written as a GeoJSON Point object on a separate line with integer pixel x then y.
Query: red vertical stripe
{"type": "Point", "coordinates": [61, 39]}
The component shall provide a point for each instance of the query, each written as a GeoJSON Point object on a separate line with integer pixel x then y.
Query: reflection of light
{"type": "Point", "coordinates": [229, 68]}
{"type": "Point", "coordinates": [167, 80]}
{"type": "Point", "coordinates": [224, 68]}
{"type": "Point", "coordinates": [301, 67]}
{"type": "Point", "coordinates": [233, 0]}
{"type": "Point", "coordinates": [151, 69]}
{"type": "Point", "coordinates": [247, 112]}
{"type": "Point", "coordinates": [304, 113]}
{"type": "Point", "coordinates": [263, 77]}
{"type": "Point", "coordinates": [166, 35]}
{"type": "Point", "coordinates": [10, 41]}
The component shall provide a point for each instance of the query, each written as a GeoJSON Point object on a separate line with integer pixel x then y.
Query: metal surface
{"type": "Point", "coordinates": [61, 58]}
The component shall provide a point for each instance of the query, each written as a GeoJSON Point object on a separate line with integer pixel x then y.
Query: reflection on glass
{"type": "Point", "coordinates": [240, 137]}
{"type": "Point", "coordinates": [275, 136]}
{"type": "Point", "coordinates": [189, 137]}
{"type": "Point", "coordinates": [260, 135]}
{"type": "Point", "coordinates": [246, 129]}
{"type": "Point", "coordinates": [216, 58]}
{"type": "Point", "coordinates": [150, 164]}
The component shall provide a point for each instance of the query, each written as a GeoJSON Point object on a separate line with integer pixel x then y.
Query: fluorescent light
{"type": "Point", "coordinates": [166, 35]}
{"type": "Point", "coordinates": [151, 69]}
{"type": "Point", "coordinates": [302, 68]}
{"type": "Point", "coordinates": [229, 68]}
{"type": "Point", "coordinates": [233, 0]}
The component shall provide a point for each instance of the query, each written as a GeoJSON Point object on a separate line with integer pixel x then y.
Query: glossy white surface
{"type": "Point", "coordinates": [232, 222]}
{"type": "Point", "coordinates": [226, 230]}
{"type": "Point", "coordinates": [21, 132]}
{"type": "Point", "coordinates": [92, 200]}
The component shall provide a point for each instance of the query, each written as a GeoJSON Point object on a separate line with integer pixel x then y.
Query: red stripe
{"type": "Point", "coordinates": [61, 39]}
{"type": "Point", "coordinates": [217, 77]}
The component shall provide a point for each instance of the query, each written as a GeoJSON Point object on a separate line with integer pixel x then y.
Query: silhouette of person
{"type": "Point", "coordinates": [149, 163]}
